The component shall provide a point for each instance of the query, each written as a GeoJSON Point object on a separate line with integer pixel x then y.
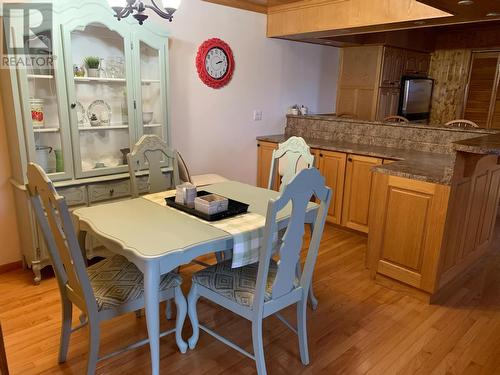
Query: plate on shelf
{"type": "Point", "coordinates": [80, 113]}
{"type": "Point", "coordinates": [102, 110]}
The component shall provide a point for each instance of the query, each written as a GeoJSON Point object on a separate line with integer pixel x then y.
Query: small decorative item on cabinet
{"type": "Point", "coordinates": [147, 117]}
{"type": "Point", "coordinates": [37, 113]}
{"type": "Point", "coordinates": [303, 110]}
{"type": "Point", "coordinates": [295, 110]}
{"type": "Point", "coordinates": [78, 71]}
{"type": "Point", "coordinates": [101, 111]}
{"type": "Point", "coordinates": [59, 161]}
{"type": "Point", "coordinates": [125, 152]}
{"type": "Point", "coordinates": [94, 120]}
{"type": "Point", "coordinates": [92, 63]}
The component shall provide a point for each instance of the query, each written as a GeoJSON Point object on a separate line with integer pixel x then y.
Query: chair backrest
{"type": "Point", "coordinates": [184, 175]}
{"type": "Point", "coordinates": [149, 153]}
{"type": "Point", "coordinates": [54, 220]}
{"type": "Point", "coordinates": [298, 192]}
{"type": "Point", "coordinates": [396, 119]}
{"type": "Point", "coordinates": [291, 157]}
{"type": "Point", "coordinates": [461, 123]}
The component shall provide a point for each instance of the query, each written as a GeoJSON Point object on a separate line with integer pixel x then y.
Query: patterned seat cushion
{"type": "Point", "coordinates": [115, 281]}
{"type": "Point", "coordinates": [237, 284]}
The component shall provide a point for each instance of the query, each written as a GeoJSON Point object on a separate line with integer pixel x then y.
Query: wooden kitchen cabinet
{"type": "Point", "coordinates": [407, 223]}
{"type": "Point", "coordinates": [332, 166]}
{"type": "Point", "coordinates": [417, 63]}
{"type": "Point", "coordinates": [357, 190]}
{"type": "Point", "coordinates": [392, 67]}
{"type": "Point", "coordinates": [370, 79]}
{"type": "Point", "coordinates": [388, 103]}
{"type": "Point", "coordinates": [264, 160]}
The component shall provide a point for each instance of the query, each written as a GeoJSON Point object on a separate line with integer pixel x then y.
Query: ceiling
{"type": "Point", "coordinates": [470, 16]}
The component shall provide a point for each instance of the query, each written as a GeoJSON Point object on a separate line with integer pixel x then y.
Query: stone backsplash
{"type": "Point", "coordinates": [409, 137]}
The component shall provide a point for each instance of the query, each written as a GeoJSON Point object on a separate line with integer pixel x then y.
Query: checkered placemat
{"type": "Point", "coordinates": [247, 231]}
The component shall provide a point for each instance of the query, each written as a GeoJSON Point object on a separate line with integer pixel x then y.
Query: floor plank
{"type": "Point", "coordinates": [362, 326]}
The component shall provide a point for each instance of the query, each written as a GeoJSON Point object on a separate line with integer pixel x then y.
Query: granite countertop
{"type": "Point", "coordinates": [489, 144]}
{"type": "Point", "coordinates": [417, 165]}
{"type": "Point", "coordinates": [330, 117]}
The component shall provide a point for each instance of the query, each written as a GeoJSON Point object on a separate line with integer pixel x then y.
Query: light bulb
{"type": "Point", "coordinates": [171, 4]}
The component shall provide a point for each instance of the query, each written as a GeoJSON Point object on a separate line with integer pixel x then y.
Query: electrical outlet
{"type": "Point", "coordinates": [257, 115]}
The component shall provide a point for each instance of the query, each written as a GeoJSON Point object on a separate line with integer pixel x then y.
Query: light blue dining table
{"type": "Point", "coordinates": [158, 239]}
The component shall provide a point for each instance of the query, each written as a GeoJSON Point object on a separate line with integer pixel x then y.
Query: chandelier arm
{"type": "Point", "coordinates": [164, 14]}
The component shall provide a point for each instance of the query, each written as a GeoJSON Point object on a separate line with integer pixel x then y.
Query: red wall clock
{"type": "Point", "coordinates": [215, 63]}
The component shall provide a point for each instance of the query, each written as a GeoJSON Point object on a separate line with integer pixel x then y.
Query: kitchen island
{"type": "Point", "coordinates": [426, 195]}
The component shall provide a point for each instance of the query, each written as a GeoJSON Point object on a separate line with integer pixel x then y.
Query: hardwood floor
{"type": "Point", "coordinates": [361, 326]}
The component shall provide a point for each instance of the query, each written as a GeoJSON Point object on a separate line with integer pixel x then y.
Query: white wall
{"type": "Point", "coordinates": [214, 129]}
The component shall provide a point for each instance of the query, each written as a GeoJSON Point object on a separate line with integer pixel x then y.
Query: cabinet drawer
{"type": "Point", "coordinates": [102, 192]}
{"type": "Point", "coordinates": [75, 196]}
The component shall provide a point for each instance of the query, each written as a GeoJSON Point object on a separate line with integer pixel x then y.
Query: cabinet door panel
{"type": "Point", "coordinates": [332, 167]}
{"type": "Point", "coordinates": [357, 191]}
{"type": "Point", "coordinates": [264, 159]}
{"type": "Point", "coordinates": [407, 225]}
{"type": "Point", "coordinates": [388, 103]}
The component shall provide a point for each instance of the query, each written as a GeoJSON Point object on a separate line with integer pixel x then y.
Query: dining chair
{"type": "Point", "coordinates": [397, 119]}
{"type": "Point", "coordinates": [259, 290]}
{"type": "Point", "coordinates": [290, 158]}
{"type": "Point", "coordinates": [197, 180]}
{"type": "Point", "coordinates": [461, 123]}
{"type": "Point", "coordinates": [109, 288]}
{"type": "Point", "coordinates": [149, 153]}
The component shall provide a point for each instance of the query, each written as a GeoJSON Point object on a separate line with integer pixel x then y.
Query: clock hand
{"type": "Point", "coordinates": [220, 62]}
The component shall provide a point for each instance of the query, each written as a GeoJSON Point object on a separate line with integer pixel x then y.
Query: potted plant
{"type": "Point", "coordinates": [92, 63]}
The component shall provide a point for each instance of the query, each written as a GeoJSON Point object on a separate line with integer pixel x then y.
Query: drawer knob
{"type": "Point", "coordinates": [111, 192]}
{"type": "Point", "coordinates": [73, 105]}
{"type": "Point", "coordinates": [349, 160]}
{"type": "Point", "coordinates": [320, 155]}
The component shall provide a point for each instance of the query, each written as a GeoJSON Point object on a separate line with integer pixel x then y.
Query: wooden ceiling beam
{"type": "Point", "coordinates": [253, 6]}
{"type": "Point", "coordinates": [310, 16]}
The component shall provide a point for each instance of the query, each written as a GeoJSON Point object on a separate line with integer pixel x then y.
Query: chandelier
{"type": "Point", "coordinates": [137, 8]}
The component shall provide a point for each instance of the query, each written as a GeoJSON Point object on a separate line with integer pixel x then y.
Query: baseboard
{"type": "Point", "coordinates": [11, 266]}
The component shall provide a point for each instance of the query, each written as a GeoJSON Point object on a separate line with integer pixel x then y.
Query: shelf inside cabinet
{"type": "Point", "coordinates": [40, 76]}
{"type": "Point", "coordinates": [152, 125]}
{"type": "Point", "coordinates": [107, 127]}
{"type": "Point", "coordinates": [149, 81]}
{"type": "Point", "coordinates": [46, 130]}
{"type": "Point", "coordinates": [99, 79]}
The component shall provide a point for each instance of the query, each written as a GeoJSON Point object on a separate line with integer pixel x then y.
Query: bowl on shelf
{"type": "Point", "coordinates": [147, 117]}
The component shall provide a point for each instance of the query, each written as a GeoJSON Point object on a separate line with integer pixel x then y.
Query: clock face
{"type": "Point", "coordinates": [216, 63]}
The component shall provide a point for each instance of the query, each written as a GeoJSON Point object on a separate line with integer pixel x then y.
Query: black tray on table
{"type": "Point", "coordinates": [234, 208]}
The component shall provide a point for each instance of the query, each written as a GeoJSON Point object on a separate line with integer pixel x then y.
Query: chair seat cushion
{"type": "Point", "coordinates": [236, 284]}
{"type": "Point", "coordinates": [116, 281]}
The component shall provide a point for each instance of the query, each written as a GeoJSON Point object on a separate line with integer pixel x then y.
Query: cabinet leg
{"type": "Point", "coordinates": [37, 268]}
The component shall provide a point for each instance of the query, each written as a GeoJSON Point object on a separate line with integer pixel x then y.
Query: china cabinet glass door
{"type": "Point", "coordinates": [100, 87]}
{"type": "Point", "coordinates": [42, 92]}
{"type": "Point", "coordinates": [151, 86]}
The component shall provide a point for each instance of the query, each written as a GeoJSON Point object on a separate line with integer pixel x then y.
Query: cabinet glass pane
{"type": "Point", "coordinates": [99, 72]}
{"type": "Point", "coordinates": [152, 106]}
{"type": "Point", "coordinates": [45, 123]}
